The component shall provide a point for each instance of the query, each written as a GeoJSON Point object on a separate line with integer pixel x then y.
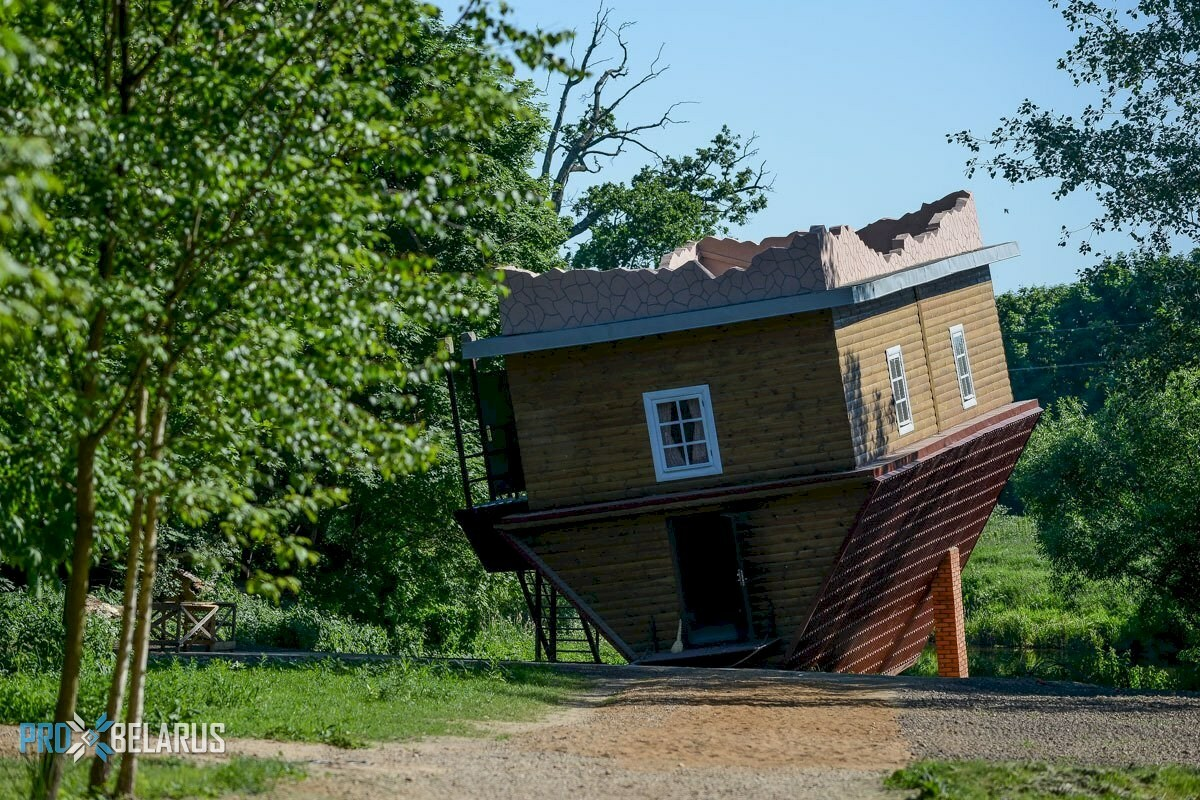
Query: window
{"type": "Point", "coordinates": [683, 438]}
{"type": "Point", "coordinates": [962, 365]}
{"type": "Point", "coordinates": [900, 401]}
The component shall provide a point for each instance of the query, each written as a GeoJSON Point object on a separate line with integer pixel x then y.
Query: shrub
{"type": "Point", "coordinates": [1111, 668]}
{"type": "Point", "coordinates": [316, 630]}
{"type": "Point", "coordinates": [32, 632]}
{"type": "Point", "coordinates": [264, 624]}
{"type": "Point", "coordinates": [261, 623]}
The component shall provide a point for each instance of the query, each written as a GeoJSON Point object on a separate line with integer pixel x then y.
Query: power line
{"type": "Point", "coordinates": [1074, 330]}
{"type": "Point", "coordinates": [1056, 366]}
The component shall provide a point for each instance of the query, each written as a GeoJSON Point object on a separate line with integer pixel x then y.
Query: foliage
{"type": "Point", "coordinates": [504, 640]}
{"type": "Point", "coordinates": [1114, 492]}
{"type": "Point", "coordinates": [24, 167]}
{"type": "Point", "coordinates": [1137, 147]}
{"type": "Point", "coordinates": [982, 780]}
{"type": "Point", "coordinates": [1111, 668]}
{"type": "Point", "coordinates": [246, 194]}
{"type": "Point", "coordinates": [31, 633]}
{"type": "Point", "coordinates": [394, 555]}
{"type": "Point", "coordinates": [459, 199]}
{"type": "Point", "coordinates": [170, 778]}
{"type": "Point", "coordinates": [1106, 474]}
{"type": "Point", "coordinates": [295, 626]}
{"type": "Point", "coordinates": [326, 701]}
{"type": "Point", "coordinates": [1024, 619]}
{"type": "Point", "coordinates": [1127, 322]}
{"type": "Point", "coordinates": [523, 231]}
{"type": "Point", "coordinates": [670, 203]}
{"type": "Point", "coordinates": [1053, 342]}
{"type": "Point", "coordinates": [1012, 598]}
{"type": "Point", "coordinates": [237, 248]}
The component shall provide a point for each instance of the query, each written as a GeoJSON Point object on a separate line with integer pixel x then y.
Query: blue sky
{"type": "Point", "coordinates": [852, 102]}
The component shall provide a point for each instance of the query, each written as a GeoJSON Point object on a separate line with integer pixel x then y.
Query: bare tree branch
{"type": "Point", "coordinates": [579, 146]}
{"type": "Point", "coordinates": [571, 82]}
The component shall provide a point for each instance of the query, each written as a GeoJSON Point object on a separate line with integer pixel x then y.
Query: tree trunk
{"type": "Point", "coordinates": [49, 775]}
{"type": "Point", "coordinates": [127, 777]}
{"type": "Point", "coordinates": [116, 690]}
{"type": "Point", "coordinates": [48, 778]}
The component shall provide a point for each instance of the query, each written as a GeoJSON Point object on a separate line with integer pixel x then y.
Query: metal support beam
{"type": "Point", "coordinates": [458, 433]}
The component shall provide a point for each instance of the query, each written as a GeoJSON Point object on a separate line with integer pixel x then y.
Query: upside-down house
{"type": "Point", "coordinates": [775, 453]}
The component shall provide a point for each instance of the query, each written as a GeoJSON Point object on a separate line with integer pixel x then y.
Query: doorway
{"type": "Point", "coordinates": [711, 580]}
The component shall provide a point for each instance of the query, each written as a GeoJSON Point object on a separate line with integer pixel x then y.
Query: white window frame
{"type": "Point", "coordinates": [962, 366]}
{"type": "Point", "coordinates": [901, 381]}
{"type": "Point", "coordinates": [662, 472]}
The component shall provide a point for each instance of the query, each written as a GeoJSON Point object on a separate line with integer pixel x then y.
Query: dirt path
{"type": "Point", "coordinates": [665, 737]}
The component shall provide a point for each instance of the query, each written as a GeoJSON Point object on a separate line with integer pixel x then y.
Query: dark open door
{"type": "Point", "coordinates": [712, 582]}
{"type": "Point", "coordinates": [498, 426]}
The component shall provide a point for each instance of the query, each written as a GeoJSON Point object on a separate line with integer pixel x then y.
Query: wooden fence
{"type": "Point", "coordinates": [189, 625]}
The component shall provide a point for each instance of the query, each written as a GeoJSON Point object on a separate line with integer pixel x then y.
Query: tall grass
{"type": "Point", "coordinates": [1012, 598]}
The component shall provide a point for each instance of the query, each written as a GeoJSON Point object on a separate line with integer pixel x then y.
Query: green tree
{"type": "Point", "coordinates": [1129, 321]}
{"type": "Point", "coordinates": [1137, 148]}
{"type": "Point", "coordinates": [1114, 492]}
{"type": "Point", "coordinates": [392, 554]}
{"type": "Point", "coordinates": [668, 204]}
{"type": "Point", "coordinates": [233, 179]}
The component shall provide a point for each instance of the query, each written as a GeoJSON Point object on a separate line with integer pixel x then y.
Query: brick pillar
{"type": "Point", "coordinates": [949, 633]}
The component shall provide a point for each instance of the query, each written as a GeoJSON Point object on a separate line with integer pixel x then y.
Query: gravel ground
{"type": "Point", "coordinates": [640, 734]}
{"type": "Point", "coordinates": [1023, 720]}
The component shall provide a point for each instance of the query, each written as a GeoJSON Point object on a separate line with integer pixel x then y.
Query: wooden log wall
{"type": "Point", "coordinates": [919, 320]}
{"type": "Point", "coordinates": [864, 333]}
{"type": "Point", "coordinates": [966, 299]}
{"type": "Point", "coordinates": [624, 570]}
{"type": "Point", "coordinates": [776, 394]}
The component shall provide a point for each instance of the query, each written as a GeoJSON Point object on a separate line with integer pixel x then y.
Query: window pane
{"type": "Point", "coordinates": [672, 434]}
{"type": "Point", "coordinates": [903, 413]}
{"type": "Point", "coordinates": [693, 431]}
{"type": "Point", "coordinates": [690, 408]}
{"type": "Point", "coordinates": [668, 412]}
{"type": "Point", "coordinates": [894, 367]}
{"type": "Point", "coordinates": [959, 343]}
{"type": "Point", "coordinates": [673, 457]}
{"type": "Point", "coordinates": [698, 454]}
{"type": "Point", "coordinates": [899, 391]}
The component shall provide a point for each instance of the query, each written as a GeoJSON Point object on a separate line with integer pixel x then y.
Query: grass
{"type": "Point", "coordinates": [1011, 597]}
{"type": "Point", "coordinates": [327, 702]}
{"type": "Point", "coordinates": [981, 780]}
{"type": "Point", "coordinates": [510, 640]}
{"type": "Point", "coordinates": [162, 778]}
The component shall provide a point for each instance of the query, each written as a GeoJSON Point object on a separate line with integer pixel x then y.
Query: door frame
{"type": "Point", "coordinates": [735, 531]}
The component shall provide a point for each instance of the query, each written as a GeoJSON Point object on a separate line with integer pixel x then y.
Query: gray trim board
{"type": "Point", "coordinates": [738, 312]}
